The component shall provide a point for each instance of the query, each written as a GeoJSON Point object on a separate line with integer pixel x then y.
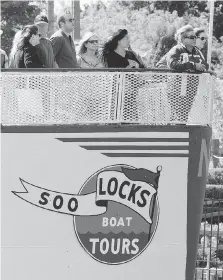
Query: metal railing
{"type": "Point", "coordinates": [210, 250]}
{"type": "Point", "coordinates": [106, 96]}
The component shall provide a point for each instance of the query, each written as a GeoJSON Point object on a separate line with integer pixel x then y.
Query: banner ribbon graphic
{"type": "Point", "coordinates": [110, 186]}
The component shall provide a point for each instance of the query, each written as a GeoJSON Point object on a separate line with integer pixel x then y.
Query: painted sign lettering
{"type": "Point", "coordinates": [117, 239]}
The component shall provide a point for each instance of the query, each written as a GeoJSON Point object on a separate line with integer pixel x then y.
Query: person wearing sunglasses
{"type": "Point", "coordinates": [63, 44]}
{"type": "Point", "coordinates": [201, 38]}
{"type": "Point", "coordinates": [184, 57]}
{"type": "Point", "coordinates": [88, 52]}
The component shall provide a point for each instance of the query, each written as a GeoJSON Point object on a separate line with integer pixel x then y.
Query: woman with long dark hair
{"type": "Point", "coordinates": [13, 51]}
{"type": "Point", "coordinates": [117, 53]}
{"type": "Point", "coordinates": [26, 55]}
{"type": "Point", "coordinates": [88, 52]}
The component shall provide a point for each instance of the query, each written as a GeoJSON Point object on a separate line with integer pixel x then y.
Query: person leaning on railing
{"type": "Point", "coordinates": [184, 57]}
{"type": "Point", "coordinates": [115, 54]}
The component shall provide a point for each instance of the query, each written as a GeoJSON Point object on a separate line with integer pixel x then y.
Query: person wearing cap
{"type": "Point", "coordinates": [4, 57]}
{"type": "Point", "coordinates": [45, 49]}
{"type": "Point", "coordinates": [62, 42]}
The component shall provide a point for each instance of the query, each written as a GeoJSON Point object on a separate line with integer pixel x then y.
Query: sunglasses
{"type": "Point", "coordinates": [203, 38]}
{"type": "Point", "coordinates": [93, 41]}
{"type": "Point", "coordinates": [70, 19]}
{"type": "Point", "coordinates": [191, 37]}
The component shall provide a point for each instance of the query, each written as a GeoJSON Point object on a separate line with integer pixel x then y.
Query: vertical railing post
{"type": "Point", "coordinates": [210, 101]}
{"type": "Point", "coordinates": [208, 265]}
{"type": "Point", "coordinates": [120, 93]}
{"type": "Point", "coordinates": [76, 14]}
{"type": "Point", "coordinates": [51, 17]}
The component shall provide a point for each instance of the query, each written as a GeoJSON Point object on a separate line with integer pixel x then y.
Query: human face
{"type": "Point", "coordinates": [189, 39]}
{"type": "Point", "coordinates": [201, 40]}
{"type": "Point", "coordinates": [69, 24]}
{"type": "Point", "coordinates": [43, 28]}
{"type": "Point", "coordinates": [186, 18]}
{"type": "Point", "coordinates": [124, 42]}
{"type": "Point", "coordinates": [35, 39]}
{"type": "Point", "coordinates": [92, 43]}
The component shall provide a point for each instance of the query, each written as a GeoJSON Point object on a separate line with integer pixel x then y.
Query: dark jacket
{"type": "Point", "coordinates": [180, 59]}
{"type": "Point", "coordinates": [46, 54]}
{"type": "Point", "coordinates": [4, 59]}
{"type": "Point", "coordinates": [64, 50]}
{"type": "Point", "coordinates": [27, 57]}
{"type": "Point", "coordinates": [114, 60]}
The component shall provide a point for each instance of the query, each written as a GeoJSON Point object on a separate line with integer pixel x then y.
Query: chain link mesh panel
{"type": "Point", "coordinates": [104, 97]}
{"type": "Point", "coordinates": [64, 97]}
{"type": "Point", "coordinates": [163, 98]}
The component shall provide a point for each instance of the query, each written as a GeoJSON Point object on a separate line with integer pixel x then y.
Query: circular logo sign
{"type": "Point", "coordinates": [127, 198]}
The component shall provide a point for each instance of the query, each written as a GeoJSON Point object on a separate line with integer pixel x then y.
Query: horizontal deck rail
{"type": "Point", "coordinates": [105, 96]}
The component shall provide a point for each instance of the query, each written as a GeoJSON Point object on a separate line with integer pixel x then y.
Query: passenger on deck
{"type": "Point", "coordinates": [201, 39]}
{"type": "Point", "coordinates": [184, 57]}
{"type": "Point", "coordinates": [26, 55]}
{"type": "Point", "coordinates": [15, 42]}
{"type": "Point", "coordinates": [4, 57]}
{"type": "Point", "coordinates": [45, 49]}
{"type": "Point", "coordinates": [88, 56]}
{"type": "Point", "coordinates": [63, 44]}
{"type": "Point", "coordinates": [116, 53]}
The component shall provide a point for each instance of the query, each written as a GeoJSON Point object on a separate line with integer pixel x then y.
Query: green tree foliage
{"type": "Point", "coordinates": [145, 28]}
{"type": "Point", "coordinates": [14, 16]}
{"type": "Point", "coordinates": [195, 8]}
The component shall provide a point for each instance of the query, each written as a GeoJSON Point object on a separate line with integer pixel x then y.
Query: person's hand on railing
{"type": "Point", "coordinates": [212, 72]}
{"type": "Point", "coordinates": [200, 67]}
{"type": "Point", "coordinates": [132, 64]}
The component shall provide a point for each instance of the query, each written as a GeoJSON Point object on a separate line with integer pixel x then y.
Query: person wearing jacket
{"type": "Point", "coordinates": [63, 44]}
{"type": "Point", "coordinates": [45, 49]}
{"type": "Point", "coordinates": [4, 57]}
{"type": "Point", "coordinates": [184, 57]}
{"type": "Point", "coordinates": [117, 53]}
{"type": "Point", "coordinates": [26, 55]}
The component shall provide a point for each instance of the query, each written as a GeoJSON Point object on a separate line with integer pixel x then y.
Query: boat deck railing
{"type": "Point", "coordinates": [159, 97]}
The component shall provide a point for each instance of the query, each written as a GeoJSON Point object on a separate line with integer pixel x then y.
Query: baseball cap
{"type": "Point", "coordinates": [41, 19]}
